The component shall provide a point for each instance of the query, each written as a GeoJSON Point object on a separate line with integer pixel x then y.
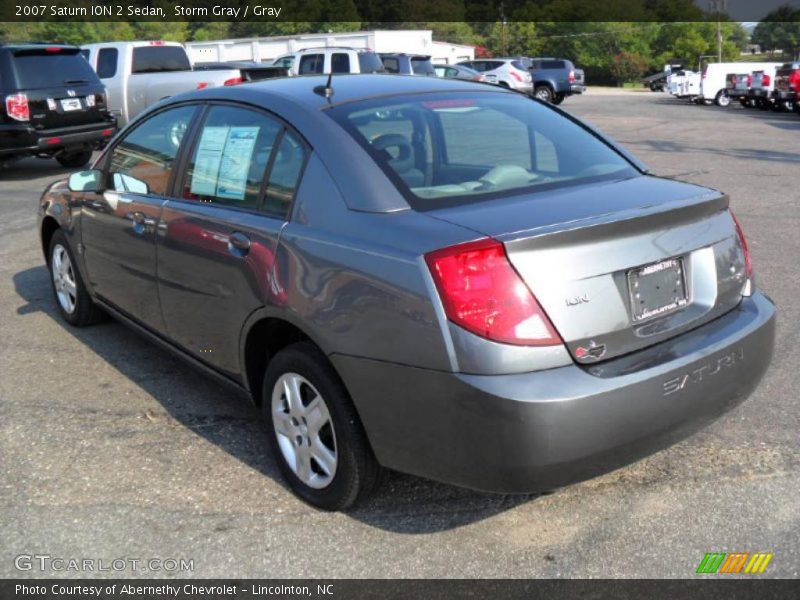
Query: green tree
{"type": "Point", "coordinates": [628, 66]}
{"type": "Point", "coordinates": [780, 30]}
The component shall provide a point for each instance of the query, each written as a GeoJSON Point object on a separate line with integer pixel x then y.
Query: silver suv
{"type": "Point", "coordinates": [508, 72]}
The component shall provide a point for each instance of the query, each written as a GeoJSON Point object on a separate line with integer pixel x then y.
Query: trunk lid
{"type": "Point", "coordinates": [587, 251]}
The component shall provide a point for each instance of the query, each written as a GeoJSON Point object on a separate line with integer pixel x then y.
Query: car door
{"type": "Point", "coordinates": [119, 226]}
{"type": "Point", "coordinates": [216, 264]}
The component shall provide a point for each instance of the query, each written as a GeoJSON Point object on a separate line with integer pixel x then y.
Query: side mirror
{"type": "Point", "coordinates": [86, 181]}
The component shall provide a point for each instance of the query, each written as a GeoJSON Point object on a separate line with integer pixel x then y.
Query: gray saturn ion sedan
{"type": "Point", "coordinates": [431, 276]}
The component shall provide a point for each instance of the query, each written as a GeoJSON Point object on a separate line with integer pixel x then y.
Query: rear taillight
{"type": "Point", "coordinates": [201, 85]}
{"type": "Point", "coordinates": [749, 81]}
{"type": "Point", "coordinates": [765, 80]}
{"type": "Point", "coordinates": [233, 81]}
{"type": "Point", "coordinates": [17, 107]}
{"type": "Point", "coordinates": [481, 292]}
{"type": "Point", "coordinates": [571, 76]}
{"type": "Point", "coordinates": [794, 80]}
{"type": "Point", "coordinates": [748, 263]}
{"type": "Point", "coordinates": [515, 75]}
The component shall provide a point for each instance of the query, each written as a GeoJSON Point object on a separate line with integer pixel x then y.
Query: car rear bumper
{"type": "Point", "coordinates": [577, 88]}
{"type": "Point", "coordinates": [536, 431]}
{"type": "Point", "coordinates": [782, 96]}
{"type": "Point", "coordinates": [736, 94]}
{"type": "Point", "coordinates": [21, 138]}
{"type": "Point", "coordinates": [763, 94]}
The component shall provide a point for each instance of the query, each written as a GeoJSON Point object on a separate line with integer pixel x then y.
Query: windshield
{"type": "Point", "coordinates": [446, 149]}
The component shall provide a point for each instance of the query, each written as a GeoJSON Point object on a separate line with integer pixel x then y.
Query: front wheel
{"type": "Point", "coordinates": [543, 93]}
{"type": "Point", "coordinates": [314, 430]}
{"type": "Point", "coordinates": [74, 160]}
{"type": "Point", "coordinates": [72, 298]}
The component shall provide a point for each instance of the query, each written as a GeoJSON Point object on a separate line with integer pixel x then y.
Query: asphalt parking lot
{"type": "Point", "coordinates": [111, 448]}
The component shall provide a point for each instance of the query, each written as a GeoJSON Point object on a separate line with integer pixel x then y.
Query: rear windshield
{"type": "Point", "coordinates": [449, 149]}
{"type": "Point", "coordinates": [35, 71]}
{"type": "Point", "coordinates": [157, 59]}
{"type": "Point", "coordinates": [369, 62]}
{"type": "Point", "coordinates": [422, 66]}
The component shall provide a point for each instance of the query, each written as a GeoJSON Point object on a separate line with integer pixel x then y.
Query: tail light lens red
{"type": "Point", "coordinates": [571, 76]}
{"type": "Point", "coordinates": [749, 80]}
{"type": "Point", "coordinates": [233, 81]}
{"type": "Point", "coordinates": [516, 76]}
{"type": "Point", "coordinates": [748, 263]}
{"type": "Point", "coordinates": [201, 85]}
{"type": "Point", "coordinates": [481, 292]}
{"type": "Point", "coordinates": [17, 107]}
{"type": "Point", "coordinates": [765, 80]}
{"type": "Point", "coordinates": [794, 80]}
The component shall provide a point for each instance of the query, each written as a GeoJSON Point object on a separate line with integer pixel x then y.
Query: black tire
{"type": "Point", "coordinates": [85, 311]}
{"type": "Point", "coordinates": [357, 472]}
{"type": "Point", "coordinates": [74, 160]}
{"type": "Point", "coordinates": [722, 99]}
{"type": "Point", "coordinates": [543, 93]}
{"type": "Point", "coordinates": [559, 98]}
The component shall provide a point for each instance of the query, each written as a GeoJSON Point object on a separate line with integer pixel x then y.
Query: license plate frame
{"type": "Point", "coordinates": [71, 104]}
{"type": "Point", "coordinates": [657, 289]}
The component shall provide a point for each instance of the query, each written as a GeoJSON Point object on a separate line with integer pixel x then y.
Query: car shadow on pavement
{"type": "Point", "coordinates": [31, 168]}
{"type": "Point", "coordinates": [404, 504]}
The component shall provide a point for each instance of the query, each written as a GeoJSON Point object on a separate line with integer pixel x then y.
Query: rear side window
{"type": "Point", "coordinates": [518, 64]}
{"type": "Point", "coordinates": [553, 64]}
{"type": "Point", "coordinates": [369, 62]}
{"type": "Point", "coordinates": [340, 63]}
{"type": "Point", "coordinates": [422, 66]}
{"type": "Point", "coordinates": [231, 157]}
{"type": "Point", "coordinates": [142, 162]}
{"type": "Point", "coordinates": [107, 62]}
{"type": "Point", "coordinates": [391, 64]}
{"type": "Point", "coordinates": [35, 70]}
{"type": "Point", "coordinates": [311, 64]}
{"type": "Point", "coordinates": [284, 175]}
{"type": "Point", "coordinates": [157, 59]}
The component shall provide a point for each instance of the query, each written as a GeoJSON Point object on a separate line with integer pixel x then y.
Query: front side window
{"type": "Point", "coordinates": [142, 162]}
{"type": "Point", "coordinates": [231, 156]}
{"type": "Point", "coordinates": [449, 149]}
{"type": "Point", "coordinates": [311, 64]}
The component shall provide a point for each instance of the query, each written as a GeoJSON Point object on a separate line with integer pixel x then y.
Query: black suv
{"type": "Point", "coordinates": [53, 104]}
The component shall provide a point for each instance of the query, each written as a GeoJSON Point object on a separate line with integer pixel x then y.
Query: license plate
{"type": "Point", "coordinates": [71, 104]}
{"type": "Point", "coordinates": [657, 289]}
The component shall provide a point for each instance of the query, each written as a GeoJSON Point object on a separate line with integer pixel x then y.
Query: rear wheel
{"type": "Point", "coordinates": [316, 435]}
{"type": "Point", "coordinates": [722, 99]}
{"type": "Point", "coordinates": [74, 160]}
{"type": "Point", "coordinates": [72, 299]}
{"type": "Point", "coordinates": [543, 93]}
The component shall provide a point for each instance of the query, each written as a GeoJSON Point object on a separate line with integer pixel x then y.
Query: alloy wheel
{"type": "Point", "coordinates": [304, 430]}
{"type": "Point", "coordinates": [64, 279]}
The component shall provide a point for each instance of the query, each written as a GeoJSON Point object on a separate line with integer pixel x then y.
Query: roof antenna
{"type": "Point", "coordinates": [327, 89]}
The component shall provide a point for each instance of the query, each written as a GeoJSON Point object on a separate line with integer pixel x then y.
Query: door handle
{"type": "Point", "coordinates": [141, 222]}
{"type": "Point", "coordinates": [238, 243]}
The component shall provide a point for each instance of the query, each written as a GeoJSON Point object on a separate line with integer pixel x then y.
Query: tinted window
{"type": "Point", "coordinates": [142, 162]}
{"type": "Point", "coordinates": [553, 64]}
{"type": "Point", "coordinates": [36, 70]}
{"type": "Point", "coordinates": [340, 63]}
{"type": "Point", "coordinates": [230, 157]}
{"type": "Point", "coordinates": [422, 66]}
{"type": "Point", "coordinates": [155, 59]}
{"type": "Point", "coordinates": [107, 63]}
{"type": "Point", "coordinates": [311, 63]}
{"type": "Point", "coordinates": [284, 175]}
{"type": "Point", "coordinates": [391, 64]}
{"type": "Point", "coordinates": [518, 64]}
{"type": "Point", "coordinates": [482, 146]}
{"type": "Point", "coordinates": [284, 61]}
{"type": "Point", "coordinates": [369, 62]}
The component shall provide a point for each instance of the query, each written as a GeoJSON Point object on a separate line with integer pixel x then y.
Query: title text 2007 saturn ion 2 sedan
{"type": "Point", "coordinates": [437, 277]}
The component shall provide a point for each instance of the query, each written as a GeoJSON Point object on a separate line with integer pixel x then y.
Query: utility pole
{"type": "Point", "coordinates": [718, 6]}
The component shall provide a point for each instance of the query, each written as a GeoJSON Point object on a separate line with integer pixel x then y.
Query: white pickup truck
{"type": "Point", "coordinates": [138, 74]}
